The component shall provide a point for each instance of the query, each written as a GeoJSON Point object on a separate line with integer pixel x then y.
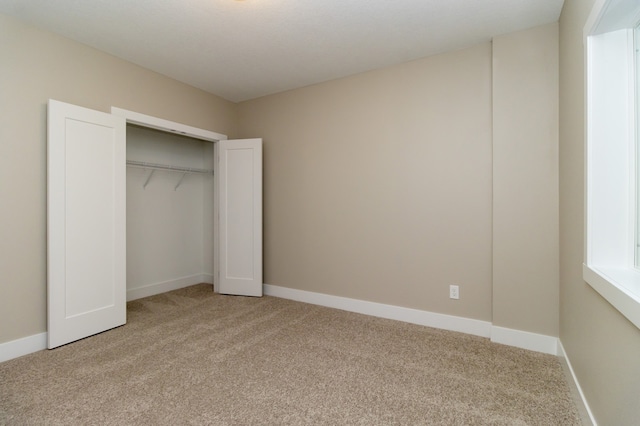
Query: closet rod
{"type": "Point", "coordinates": [154, 166]}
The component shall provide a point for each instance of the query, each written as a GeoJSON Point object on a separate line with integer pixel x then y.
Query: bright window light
{"type": "Point", "coordinates": [612, 231]}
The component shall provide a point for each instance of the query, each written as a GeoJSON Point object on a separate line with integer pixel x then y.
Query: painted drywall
{"type": "Point", "coordinates": [165, 224]}
{"type": "Point", "coordinates": [37, 65]}
{"type": "Point", "coordinates": [525, 180]}
{"type": "Point", "coordinates": [602, 345]}
{"type": "Point", "coordinates": [378, 186]}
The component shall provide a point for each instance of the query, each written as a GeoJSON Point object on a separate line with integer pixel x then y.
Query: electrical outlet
{"type": "Point", "coordinates": [454, 292]}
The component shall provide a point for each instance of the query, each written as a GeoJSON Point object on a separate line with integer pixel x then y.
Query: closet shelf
{"type": "Point", "coordinates": [154, 166]}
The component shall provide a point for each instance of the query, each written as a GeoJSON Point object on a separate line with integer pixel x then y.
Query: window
{"type": "Point", "coordinates": [637, 140]}
{"type": "Point", "coordinates": [612, 229]}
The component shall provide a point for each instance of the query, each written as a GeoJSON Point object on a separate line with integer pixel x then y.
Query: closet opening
{"type": "Point", "coordinates": [184, 227]}
{"type": "Point", "coordinates": [170, 211]}
{"type": "Point", "coordinates": [172, 205]}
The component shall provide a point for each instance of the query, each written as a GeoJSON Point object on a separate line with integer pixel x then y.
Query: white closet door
{"type": "Point", "coordinates": [86, 222]}
{"type": "Point", "coordinates": [240, 223]}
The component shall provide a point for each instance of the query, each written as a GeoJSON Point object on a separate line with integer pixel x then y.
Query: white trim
{"type": "Point", "coordinates": [521, 339]}
{"type": "Point", "coordinates": [525, 340]}
{"type": "Point", "coordinates": [413, 316]}
{"type": "Point", "coordinates": [207, 279]}
{"type": "Point", "coordinates": [563, 354]}
{"type": "Point", "coordinates": [517, 338]}
{"type": "Point", "coordinates": [149, 121]}
{"type": "Point", "coordinates": [611, 15]}
{"type": "Point", "coordinates": [24, 346]}
{"type": "Point", "coordinates": [610, 149]}
{"type": "Point", "coordinates": [166, 125]}
{"type": "Point", "coordinates": [619, 286]}
{"type": "Point", "coordinates": [164, 286]}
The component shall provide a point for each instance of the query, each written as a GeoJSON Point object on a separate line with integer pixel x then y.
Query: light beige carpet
{"type": "Point", "coordinates": [195, 357]}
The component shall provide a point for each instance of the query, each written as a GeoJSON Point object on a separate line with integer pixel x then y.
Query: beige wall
{"type": "Point", "coordinates": [602, 345]}
{"type": "Point", "coordinates": [35, 66]}
{"type": "Point", "coordinates": [525, 180]}
{"type": "Point", "coordinates": [378, 186]}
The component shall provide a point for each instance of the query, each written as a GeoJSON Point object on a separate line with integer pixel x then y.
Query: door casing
{"type": "Point", "coordinates": [70, 328]}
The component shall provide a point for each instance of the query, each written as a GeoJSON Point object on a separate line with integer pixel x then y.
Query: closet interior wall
{"type": "Point", "coordinates": [169, 228]}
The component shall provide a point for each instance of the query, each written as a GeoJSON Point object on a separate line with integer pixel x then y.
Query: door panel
{"type": "Point", "coordinates": [86, 222]}
{"type": "Point", "coordinates": [240, 222]}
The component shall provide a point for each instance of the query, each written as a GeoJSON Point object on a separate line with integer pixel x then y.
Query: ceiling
{"type": "Point", "coordinates": [241, 50]}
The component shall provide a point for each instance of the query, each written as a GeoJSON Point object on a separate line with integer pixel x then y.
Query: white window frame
{"type": "Point", "coordinates": [611, 155]}
{"type": "Point", "coordinates": [637, 135]}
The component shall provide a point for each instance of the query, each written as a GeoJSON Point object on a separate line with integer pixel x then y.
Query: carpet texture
{"type": "Point", "coordinates": [194, 357]}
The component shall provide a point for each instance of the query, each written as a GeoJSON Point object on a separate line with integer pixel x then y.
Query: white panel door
{"type": "Point", "coordinates": [86, 222]}
{"type": "Point", "coordinates": [240, 216]}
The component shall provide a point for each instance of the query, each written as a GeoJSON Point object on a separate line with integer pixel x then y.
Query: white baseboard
{"type": "Point", "coordinates": [38, 342]}
{"type": "Point", "coordinates": [506, 336]}
{"type": "Point", "coordinates": [525, 340]}
{"type": "Point", "coordinates": [208, 278]}
{"type": "Point", "coordinates": [24, 346]}
{"type": "Point", "coordinates": [163, 287]}
{"type": "Point", "coordinates": [517, 338]}
{"type": "Point", "coordinates": [563, 354]}
{"type": "Point", "coordinates": [413, 316]}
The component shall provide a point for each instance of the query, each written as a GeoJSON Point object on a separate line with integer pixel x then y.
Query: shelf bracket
{"type": "Point", "coordinates": [180, 181]}
{"type": "Point", "coordinates": [144, 186]}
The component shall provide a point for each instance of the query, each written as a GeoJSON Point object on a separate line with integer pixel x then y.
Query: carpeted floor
{"type": "Point", "coordinates": [195, 357]}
